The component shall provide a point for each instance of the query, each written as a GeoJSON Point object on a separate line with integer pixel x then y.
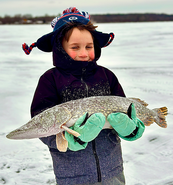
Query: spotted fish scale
{"type": "Point", "coordinates": [59, 118]}
{"type": "Point", "coordinates": [109, 104]}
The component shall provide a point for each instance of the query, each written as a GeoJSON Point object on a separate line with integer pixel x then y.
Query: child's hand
{"type": "Point", "coordinates": [88, 128]}
{"type": "Point", "coordinates": [127, 126]}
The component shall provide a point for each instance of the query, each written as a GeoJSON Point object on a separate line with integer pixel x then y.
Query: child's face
{"type": "Point", "coordinates": [80, 46]}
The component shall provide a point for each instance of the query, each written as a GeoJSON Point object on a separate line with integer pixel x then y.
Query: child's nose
{"type": "Point", "coordinates": [83, 53]}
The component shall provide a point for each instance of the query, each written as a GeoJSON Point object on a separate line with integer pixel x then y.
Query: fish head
{"type": "Point", "coordinates": [47, 123]}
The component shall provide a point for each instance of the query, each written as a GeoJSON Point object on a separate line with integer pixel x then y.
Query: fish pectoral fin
{"type": "Point", "coordinates": [70, 131]}
{"type": "Point", "coordinates": [61, 142]}
{"type": "Point", "coordinates": [140, 101]}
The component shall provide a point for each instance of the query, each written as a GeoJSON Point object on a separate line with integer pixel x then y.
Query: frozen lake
{"type": "Point", "coordinates": [141, 56]}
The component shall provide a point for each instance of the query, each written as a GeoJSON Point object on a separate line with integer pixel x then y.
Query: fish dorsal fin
{"type": "Point", "coordinates": [139, 101]}
{"type": "Point", "coordinates": [61, 142]}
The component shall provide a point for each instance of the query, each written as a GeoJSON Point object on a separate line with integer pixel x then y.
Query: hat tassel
{"type": "Point", "coordinates": [27, 49]}
{"type": "Point", "coordinates": [110, 39]}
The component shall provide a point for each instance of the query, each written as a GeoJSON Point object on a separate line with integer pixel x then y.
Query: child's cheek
{"type": "Point", "coordinates": [92, 55]}
{"type": "Point", "coordinates": [72, 54]}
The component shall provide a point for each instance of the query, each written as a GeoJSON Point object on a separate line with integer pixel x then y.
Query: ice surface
{"type": "Point", "coordinates": [140, 56]}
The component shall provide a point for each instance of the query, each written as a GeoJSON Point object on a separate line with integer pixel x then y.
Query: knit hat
{"type": "Point", "coordinates": [45, 43]}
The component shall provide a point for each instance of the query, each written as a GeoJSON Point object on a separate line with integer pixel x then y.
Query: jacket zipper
{"type": "Point", "coordinates": [93, 142]}
{"type": "Point", "coordinates": [83, 71]}
{"type": "Point", "coordinates": [97, 161]}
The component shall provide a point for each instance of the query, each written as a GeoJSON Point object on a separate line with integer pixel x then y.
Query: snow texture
{"type": "Point", "coordinates": [140, 56]}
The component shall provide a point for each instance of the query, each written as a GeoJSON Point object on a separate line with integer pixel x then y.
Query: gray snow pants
{"type": "Point", "coordinates": [118, 180]}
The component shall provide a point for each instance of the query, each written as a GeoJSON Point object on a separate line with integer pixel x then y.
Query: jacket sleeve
{"type": "Point", "coordinates": [45, 97]}
{"type": "Point", "coordinates": [115, 86]}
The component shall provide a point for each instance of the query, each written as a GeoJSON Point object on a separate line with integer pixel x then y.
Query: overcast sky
{"type": "Point", "coordinates": [54, 7]}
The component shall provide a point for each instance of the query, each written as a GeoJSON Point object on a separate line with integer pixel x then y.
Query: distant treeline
{"type": "Point", "coordinates": [26, 19]}
{"type": "Point", "coordinates": [136, 17]}
{"type": "Point", "coordinates": [98, 18]}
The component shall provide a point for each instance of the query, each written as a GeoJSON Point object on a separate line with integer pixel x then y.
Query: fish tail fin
{"type": "Point", "coordinates": [160, 118]}
{"type": "Point", "coordinates": [148, 120]}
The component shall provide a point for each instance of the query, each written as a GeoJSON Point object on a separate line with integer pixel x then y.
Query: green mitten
{"type": "Point", "coordinates": [88, 130]}
{"type": "Point", "coordinates": [128, 127]}
{"type": "Point", "coordinates": [74, 143]}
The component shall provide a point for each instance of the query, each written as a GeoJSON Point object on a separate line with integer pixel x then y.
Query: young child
{"type": "Point", "coordinates": [95, 157]}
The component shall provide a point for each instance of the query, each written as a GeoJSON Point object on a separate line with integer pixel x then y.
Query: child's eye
{"type": "Point", "coordinates": [74, 47]}
{"type": "Point", "coordinates": [89, 47]}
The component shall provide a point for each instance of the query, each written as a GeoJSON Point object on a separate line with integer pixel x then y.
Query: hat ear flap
{"type": "Point", "coordinates": [44, 43]}
{"type": "Point", "coordinates": [103, 39]}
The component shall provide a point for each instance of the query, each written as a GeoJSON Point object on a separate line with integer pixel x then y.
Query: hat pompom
{"type": "Point", "coordinates": [72, 11]}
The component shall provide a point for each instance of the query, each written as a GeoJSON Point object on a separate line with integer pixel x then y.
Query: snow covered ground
{"type": "Point", "coordinates": [140, 56]}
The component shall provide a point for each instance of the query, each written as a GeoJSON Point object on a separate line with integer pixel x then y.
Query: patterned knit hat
{"type": "Point", "coordinates": [69, 15]}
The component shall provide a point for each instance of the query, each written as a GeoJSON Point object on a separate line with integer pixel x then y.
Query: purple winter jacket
{"type": "Point", "coordinates": [70, 80]}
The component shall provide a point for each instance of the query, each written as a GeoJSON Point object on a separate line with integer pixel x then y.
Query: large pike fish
{"type": "Point", "coordinates": [59, 118]}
